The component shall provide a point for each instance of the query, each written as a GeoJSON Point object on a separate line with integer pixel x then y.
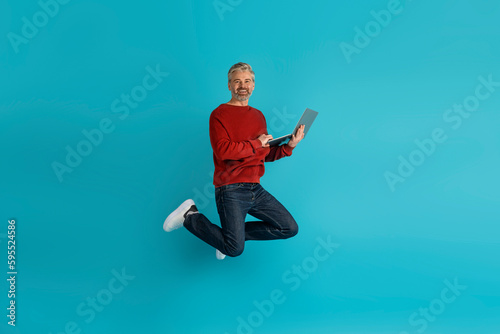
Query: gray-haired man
{"type": "Point", "coordinates": [238, 134]}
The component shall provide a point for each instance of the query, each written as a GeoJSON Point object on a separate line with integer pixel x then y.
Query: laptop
{"type": "Point", "coordinates": [307, 119]}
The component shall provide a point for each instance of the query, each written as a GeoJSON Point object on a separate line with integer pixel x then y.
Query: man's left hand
{"type": "Point", "coordinates": [296, 138]}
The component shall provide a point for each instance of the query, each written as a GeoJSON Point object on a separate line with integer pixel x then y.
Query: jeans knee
{"type": "Point", "coordinates": [292, 230]}
{"type": "Point", "coordinates": [234, 251]}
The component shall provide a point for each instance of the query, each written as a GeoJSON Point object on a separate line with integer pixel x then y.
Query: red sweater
{"type": "Point", "coordinates": [238, 154]}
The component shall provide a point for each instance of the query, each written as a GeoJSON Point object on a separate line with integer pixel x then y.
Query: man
{"type": "Point", "coordinates": [239, 139]}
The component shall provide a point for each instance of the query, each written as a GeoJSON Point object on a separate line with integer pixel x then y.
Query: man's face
{"type": "Point", "coordinates": [241, 85]}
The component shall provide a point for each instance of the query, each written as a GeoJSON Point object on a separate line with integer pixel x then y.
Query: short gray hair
{"type": "Point", "coordinates": [240, 67]}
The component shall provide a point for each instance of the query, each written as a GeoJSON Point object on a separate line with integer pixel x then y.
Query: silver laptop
{"type": "Point", "coordinates": [307, 119]}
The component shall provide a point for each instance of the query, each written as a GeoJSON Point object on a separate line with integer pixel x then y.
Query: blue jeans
{"type": "Point", "coordinates": [234, 201]}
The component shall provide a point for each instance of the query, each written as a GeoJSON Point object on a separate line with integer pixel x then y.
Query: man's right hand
{"type": "Point", "coordinates": [264, 139]}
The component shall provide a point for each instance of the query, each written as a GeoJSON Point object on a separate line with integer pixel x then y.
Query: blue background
{"type": "Point", "coordinates": [396, 247]}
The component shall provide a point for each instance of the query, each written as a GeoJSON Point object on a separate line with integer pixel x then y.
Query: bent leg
{"type": "Point", "coordinates": [232, 208]}
{"type": "Point", "coordinates": [276, 222]}
{"type": "Point", "coordinates": [199, 225]}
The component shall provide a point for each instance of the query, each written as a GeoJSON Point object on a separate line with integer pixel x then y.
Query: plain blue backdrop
{"type": "Point", "coordinates": [415, 229]}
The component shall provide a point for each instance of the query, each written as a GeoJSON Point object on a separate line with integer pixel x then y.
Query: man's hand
{"type": "Point", "coordinates": [296, 138]}
{"type": "Point", "coordinates": [264, 139]}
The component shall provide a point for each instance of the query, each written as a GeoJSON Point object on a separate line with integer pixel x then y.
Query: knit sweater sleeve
{"type": "Point", "coordinates": [278, 152]}
{"type": "Point", "coordinates": [226, 149]}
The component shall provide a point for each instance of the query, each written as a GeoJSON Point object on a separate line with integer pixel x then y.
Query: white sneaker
{"type": "Point", "coordinates": [219, 255]}
{"type": "Point", "coordinates": [176, 218]}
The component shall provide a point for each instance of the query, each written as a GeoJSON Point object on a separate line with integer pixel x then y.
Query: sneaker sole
{"type": "Point", "coordinates": [219, 255]}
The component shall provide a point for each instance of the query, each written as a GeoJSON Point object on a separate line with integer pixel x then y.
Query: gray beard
{"type": "Point", "coordinates": [241, 98]}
